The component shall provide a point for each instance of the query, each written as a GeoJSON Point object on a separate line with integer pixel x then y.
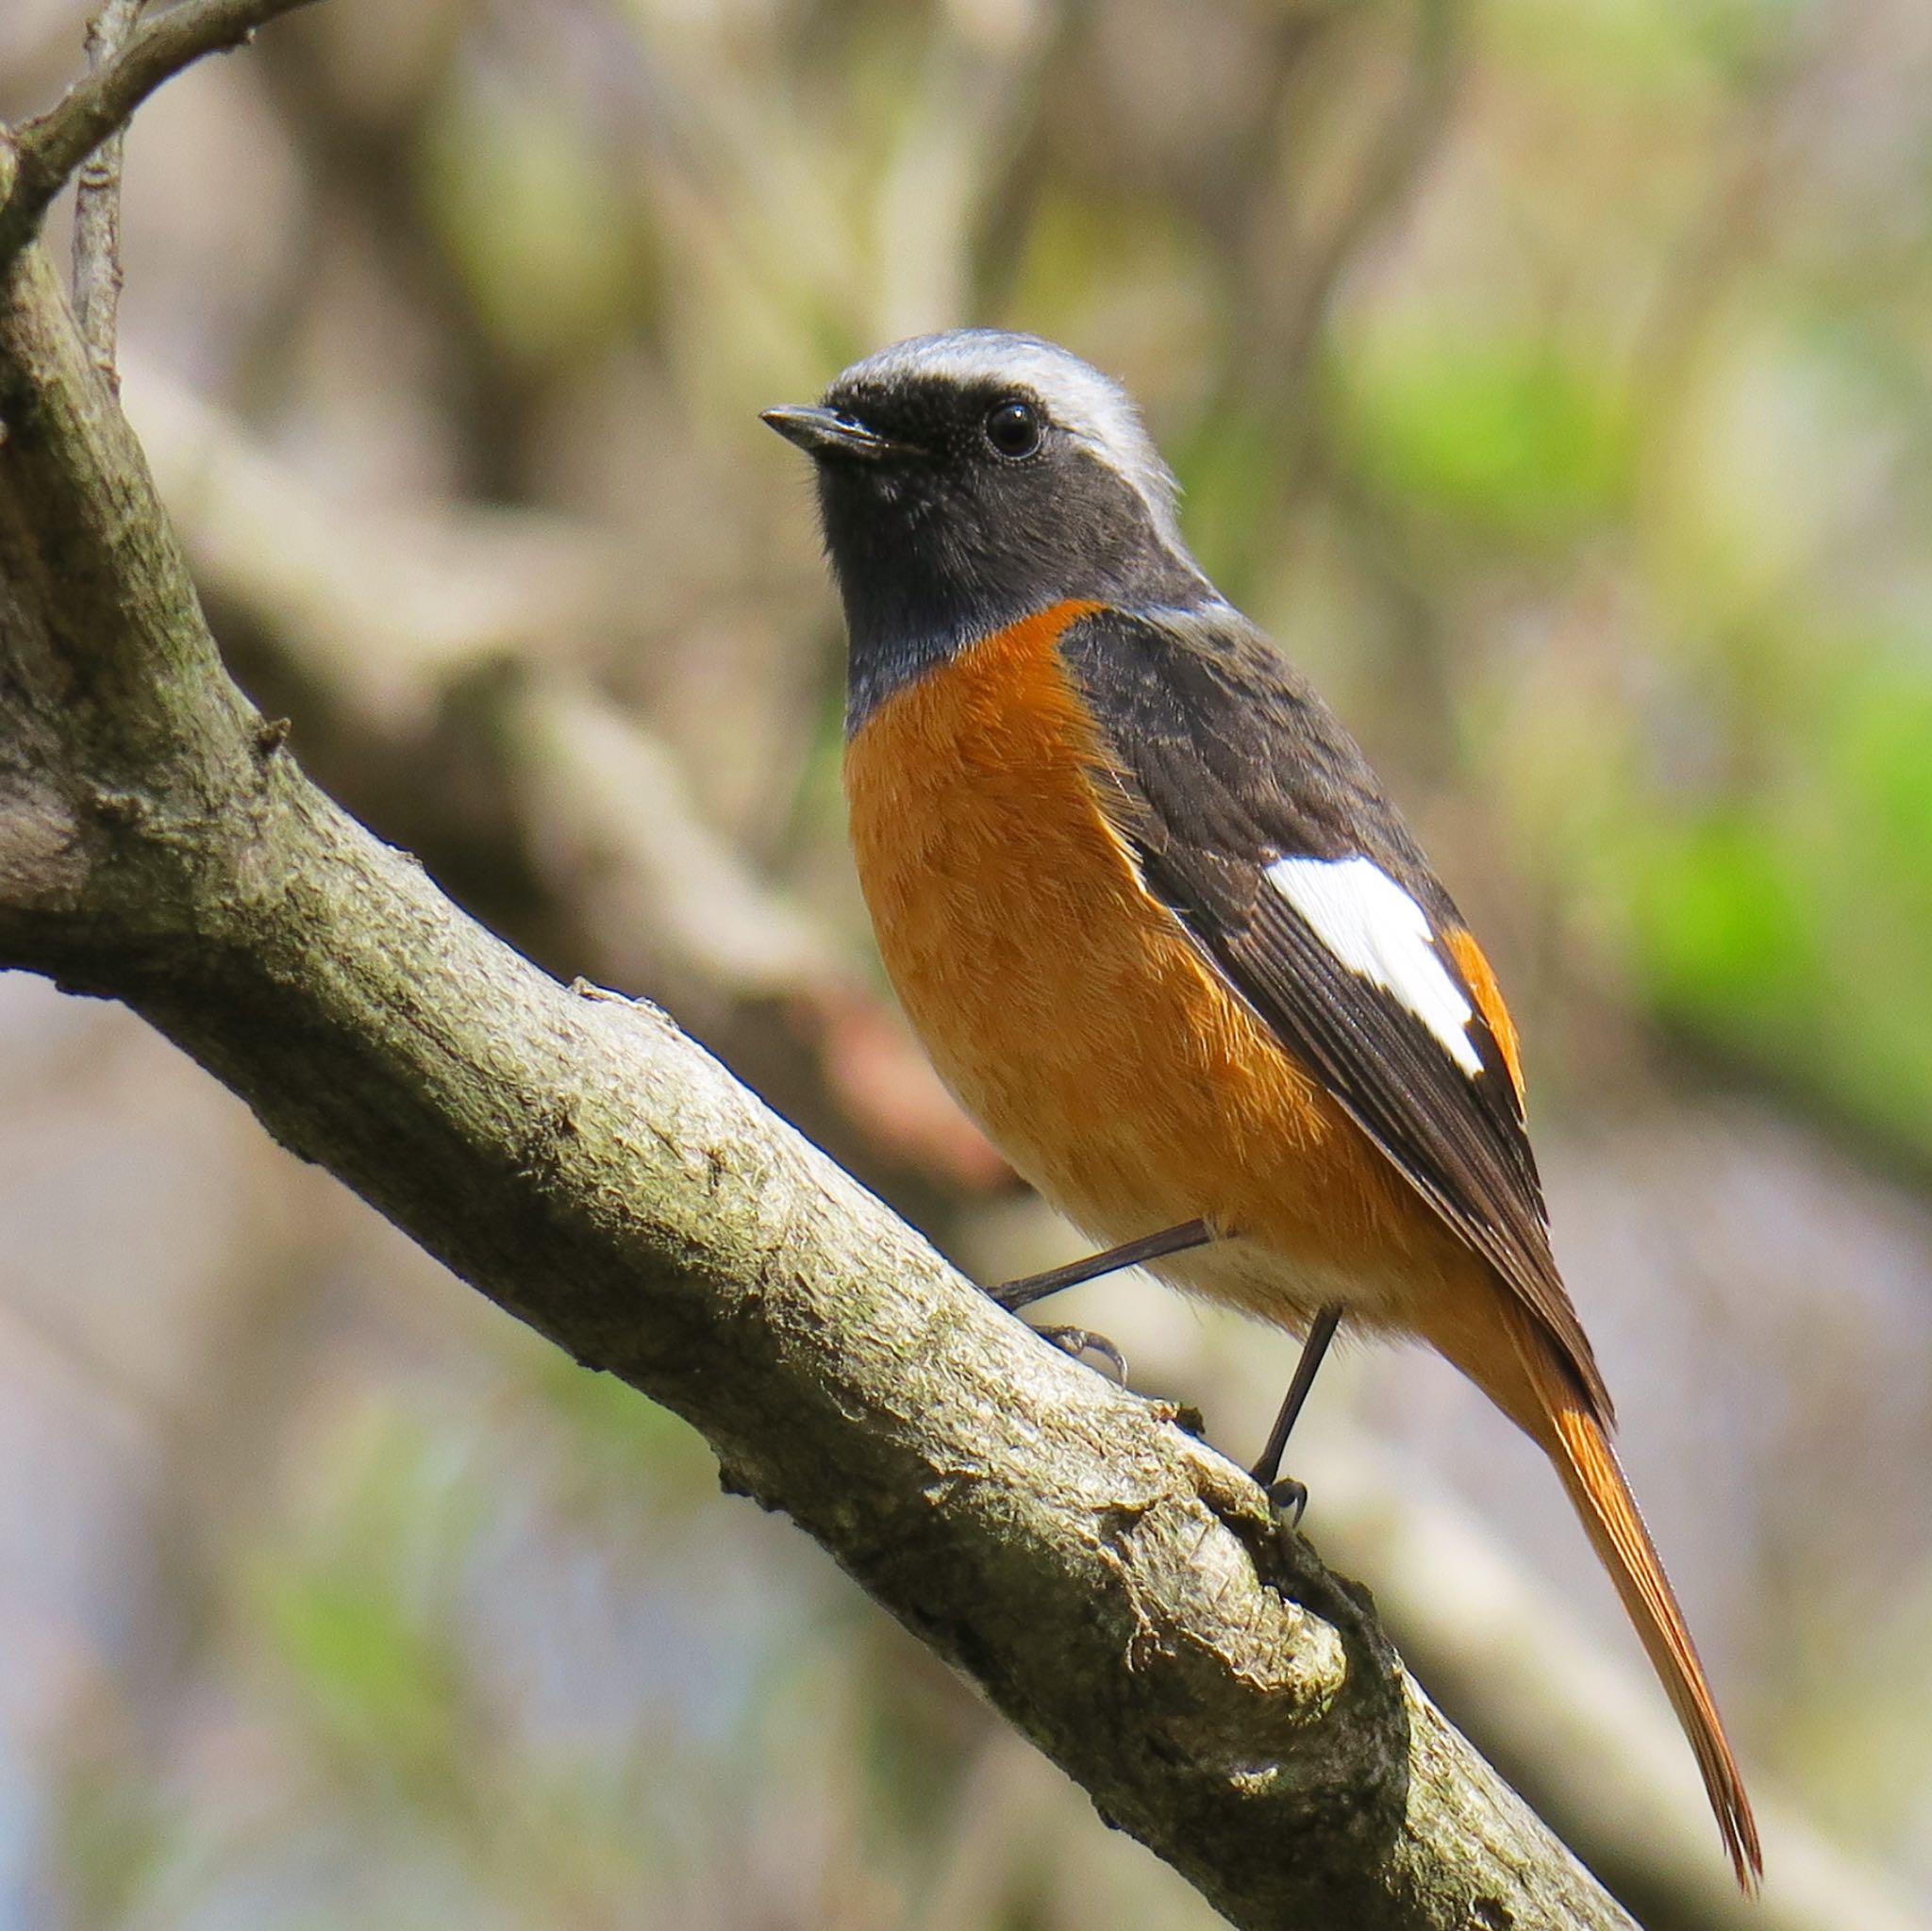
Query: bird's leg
{"type": "Point", "coordinates": [1014, 1295]}
{"type": "Point", "coordinates": [1288, 1495]}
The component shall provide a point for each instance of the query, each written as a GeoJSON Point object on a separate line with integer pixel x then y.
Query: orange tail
{"type": "Point", "coordinates": [1588, 1465]}
{"type": "Point", "coordinates": [1543, 1399]}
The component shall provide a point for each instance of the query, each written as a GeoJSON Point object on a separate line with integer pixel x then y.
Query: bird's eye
{"type": "Point", "coordinates": [1013, 428]}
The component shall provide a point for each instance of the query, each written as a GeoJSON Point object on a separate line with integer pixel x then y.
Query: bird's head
{"type": "Point", "coordinates": [971, 478]}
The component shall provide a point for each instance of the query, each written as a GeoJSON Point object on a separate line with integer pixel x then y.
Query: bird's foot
{"type": "Point", "coordinates": [1079, 1340]}
{"type": "Point", "coordinates": [1288, 1498]}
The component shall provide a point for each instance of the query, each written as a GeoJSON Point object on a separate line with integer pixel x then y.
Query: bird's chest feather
{"type": "Point", "coordinates": [1065, 1007]}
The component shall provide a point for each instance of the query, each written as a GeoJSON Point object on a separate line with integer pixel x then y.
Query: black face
{"type": "Point", "coordinates": [951, 509]}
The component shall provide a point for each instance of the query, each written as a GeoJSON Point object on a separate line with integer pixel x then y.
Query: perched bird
{"type": "Point", "coordinates": [1146, 906]}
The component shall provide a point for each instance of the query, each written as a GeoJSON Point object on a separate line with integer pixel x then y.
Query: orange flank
{"type": "Point", "coordinates": [1481, 981]}
{"type": "Point", "coordinates": [1079, 1022]}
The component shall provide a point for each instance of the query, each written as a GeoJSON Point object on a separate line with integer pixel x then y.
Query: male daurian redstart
{"type": "Point", "coordinates": [1163, 935]}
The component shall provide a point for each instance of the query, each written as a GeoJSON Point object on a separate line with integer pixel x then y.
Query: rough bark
{"type": "Point", "coordinates": [1116, 1588]}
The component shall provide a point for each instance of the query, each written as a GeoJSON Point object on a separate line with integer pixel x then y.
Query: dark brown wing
{"type": "Point", "coordinates": [1220, 761]}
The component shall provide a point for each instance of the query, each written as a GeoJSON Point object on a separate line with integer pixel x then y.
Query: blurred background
{"type": "Point", "coordinates": [1552, 377]}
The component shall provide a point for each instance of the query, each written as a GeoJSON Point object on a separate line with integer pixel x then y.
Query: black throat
{"type": "Point", "coordinates": [927, 565]}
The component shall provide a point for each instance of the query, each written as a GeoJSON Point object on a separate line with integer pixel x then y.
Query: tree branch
{"type": "Point", "coordinates": [38, 157]}
{"type": "Point", "coordinates": [1115, 1587]}
{"type": "Point", "coordinates": [98, 204]}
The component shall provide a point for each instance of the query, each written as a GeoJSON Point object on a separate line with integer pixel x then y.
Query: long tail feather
{"type": "Point", "coordinates": [1578, 1445]}
{"type": "Point", "coordinates": [1502, 1347]}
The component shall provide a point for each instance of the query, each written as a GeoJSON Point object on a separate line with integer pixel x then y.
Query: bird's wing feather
{"type": "Point", "coordinates": [1258, 821]}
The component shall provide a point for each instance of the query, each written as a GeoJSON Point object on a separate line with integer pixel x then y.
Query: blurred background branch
{"type": "Point", "coordinates": [1594, 495]}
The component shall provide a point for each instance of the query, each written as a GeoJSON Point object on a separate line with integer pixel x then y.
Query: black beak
{"type": "Point", "coordinates": [830, 432]}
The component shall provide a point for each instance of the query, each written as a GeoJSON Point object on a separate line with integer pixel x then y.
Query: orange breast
{"type": "Point", "coordinates": [1075, 1019]}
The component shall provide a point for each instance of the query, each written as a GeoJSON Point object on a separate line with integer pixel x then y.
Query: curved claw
{"type": "Point", "coordinates": [1288, 1498]}
{"type": "Point", "coordinates": [1079, 1340]}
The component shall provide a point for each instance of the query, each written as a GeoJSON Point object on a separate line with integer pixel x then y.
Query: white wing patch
{"type": "Point", "coordinates": [1381, 935]}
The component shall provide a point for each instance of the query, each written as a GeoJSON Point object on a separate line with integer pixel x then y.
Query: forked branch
{"type": "Point", "coordinates": [38, 157]}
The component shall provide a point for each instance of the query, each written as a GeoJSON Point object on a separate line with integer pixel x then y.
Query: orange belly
{"type": "Point", "coordinates": [1074, 1019]}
